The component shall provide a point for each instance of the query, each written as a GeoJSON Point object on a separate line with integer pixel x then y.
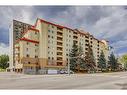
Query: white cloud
{"type": "Point", "coordinates": [4, 49]}
{"type": "Point", "coordinates": [21, 13]}
{"type": "Point", "coordinates": [104, 22]}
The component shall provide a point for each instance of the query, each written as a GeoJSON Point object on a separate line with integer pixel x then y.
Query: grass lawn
{"type": "Point", "coordinates": [2, 70]}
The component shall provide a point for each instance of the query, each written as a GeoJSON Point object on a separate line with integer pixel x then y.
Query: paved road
{"type": "Point", "coordinates": [117, 80]}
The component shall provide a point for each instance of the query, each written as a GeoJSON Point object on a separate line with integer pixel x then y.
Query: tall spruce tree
{"type": "Point", "coordinates": [102, 61]}
{"type": "Point", "coordinates": [89, 59]}
{"type": "Point", "coordinates": [80, 58]}
{"type": "Point", "coordinates": [113, 62]}
{"type": "Point", "coordinates": [73, 54]}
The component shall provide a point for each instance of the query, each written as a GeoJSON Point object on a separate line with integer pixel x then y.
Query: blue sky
{"type": "Point", "coordinates": [104, 22]}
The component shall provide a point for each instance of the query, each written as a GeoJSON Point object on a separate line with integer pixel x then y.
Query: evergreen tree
{"type": "Point", "coordinates": [102, 61]}
{"type": "Point", "coordinates": [4, 61]}
{"type": "Point", "coordinates": [73, 54]}
{"type": "Point", "coordinates": [80, 58]}
{"type": "Point", "coordinates": [113, 62]}
{"type": "Point", "coordinates": [89, 59]}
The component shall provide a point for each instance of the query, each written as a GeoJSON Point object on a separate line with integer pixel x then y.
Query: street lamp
{"type": "Point", "coordinates": [80, 56]}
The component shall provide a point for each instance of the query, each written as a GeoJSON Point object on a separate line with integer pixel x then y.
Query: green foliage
{"type": "Point", "coordinates": [80, 59]}
{"type": "Point", "coordinates": [76, 58]}
{"type": "Point", "coordinates": [113, 62]}
{"type": "Point", "coordinates": [73, 54]}
{"type": "Point", "coordinates": [123, 60]}
{"type": "Point", "coordinates": [89, 59]}
{"type": "Point", "coordinates": [4, 61]}
{"type": "Point", "coordinates": [102, 61]}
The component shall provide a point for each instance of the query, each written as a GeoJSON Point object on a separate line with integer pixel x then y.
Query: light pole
{"type": "Point", "coordinates": [69, 67]}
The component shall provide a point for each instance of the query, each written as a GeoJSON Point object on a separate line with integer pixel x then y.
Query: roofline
{"type": "Point", "coordinates": [60, 26]}
{"type": "Point", "coordinates": [23, 22]}
{"type": "Point", "coordinates": [28, 40]}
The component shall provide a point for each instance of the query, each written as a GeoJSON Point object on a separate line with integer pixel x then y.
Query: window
{"type": "Point", "coordinates": [48, 30]}
{"type": "Point", "coordinates": [36, 44]}
{"type": "Point", "coordinates": [48, 57]}
{"type": "Point", "coordinates": [52, 31]}
{"type": "Point", "coordinates": [28, 62]}
{"type": "Point", "coordinates": [26, 49]}
{"type": "Point", "coordinates": [27, 55]}
{"type": "Point", "coordinates": [36, 56]}
{"type": "Point", "coordinates": [35, 33]}
{"type": "Point", "coordinates": [48, 36]}
{"type": "Point", "coordinates": [52, 26]}
{"type": "Point", "coordinates": [52, 58]}
{"type": "Point", "coordinates": [27, 43]}
{"type": "Point", "coordinates": [52, 37]}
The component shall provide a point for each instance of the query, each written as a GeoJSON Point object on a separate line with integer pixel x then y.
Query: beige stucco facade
{"type": "Point", "coordinates": [47, 46]}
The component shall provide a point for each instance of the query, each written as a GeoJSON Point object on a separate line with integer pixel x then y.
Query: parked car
{"type": "Point", "coordinates": [66, 72]}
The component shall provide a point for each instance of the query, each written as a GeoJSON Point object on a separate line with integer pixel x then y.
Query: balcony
{"type": "Point", "coordinates": [59, 58]}
{"type": "Point", "coordinates": [86, 49]}
{"type": "Point", "coordinates": [59, 39]}
{"type": "Point", "coordinates": [75, 37]}
{"type": "Point", "coordinates": [86, 40]}
{"type": "Point", "coordinates": [86, 44]}
{"type": "Point", "coordinates": [59, 63]}
{"type": "Point", "coordinates": [58, 28]}
{"type": "Point", "coordinates": [59, 53]}
{"type": "Point", "coordinates": [59, 43]}
{"type": "Point", "coordinates": [59, 33]}
{"type": "Point", "coordinates": [75, 33]}
{"type": "Point", "coordinates": [59, 48]}
{"type": "Point", "coordinates": [87, 37]}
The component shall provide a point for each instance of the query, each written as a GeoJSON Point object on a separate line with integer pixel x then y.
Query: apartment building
{"type": "Point", "coordinates": [46, 46]}
{"type": "Point", "coordinates": [15, 31]}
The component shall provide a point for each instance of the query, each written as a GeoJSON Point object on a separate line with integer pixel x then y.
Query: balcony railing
{"type": "Point", "coordinates": [75, 37]}
{"type": "Point", "coordinates": [59, 48]}
{"type": "Point", "coordinates": [59, 33]}
{"type": "Point", "coordinates": [60, 38]}
{"type": "Point", "coordinates": [59, 53]}
{"type": "Point", "coordinates": [59, 58]}
{"type": "Point", "coordinates": [59, 63]}
{"type": "Point", "coordinates": [59, 43]}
